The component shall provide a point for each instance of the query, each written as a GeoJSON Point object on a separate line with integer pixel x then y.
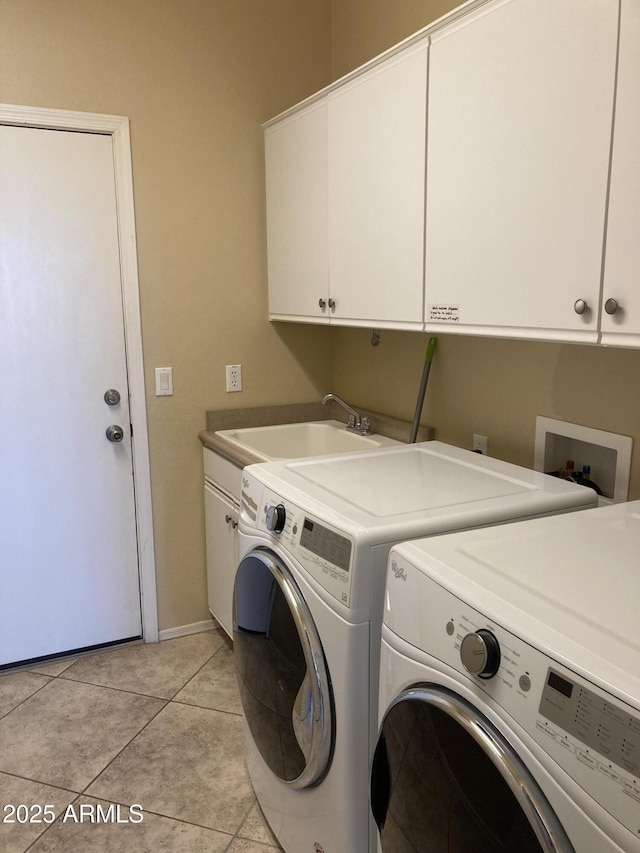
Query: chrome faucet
{"type": "Point", "coordinates": [355, 422]}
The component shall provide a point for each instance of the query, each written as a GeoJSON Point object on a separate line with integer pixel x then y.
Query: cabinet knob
{"type": "Point", "coordinates": [332, 303]}
{"type": "Point", "coordinates": [611, 306]}
{"type": "Point", "coordinates": [580, 306]}
{"type": "Point", "coordinates": [322, 303]}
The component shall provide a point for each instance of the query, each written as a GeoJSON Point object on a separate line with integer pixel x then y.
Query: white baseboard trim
{"type": "Point", "coordinates": [185, 630]}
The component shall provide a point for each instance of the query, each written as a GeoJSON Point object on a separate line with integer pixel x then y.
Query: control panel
{"type": "Point", "coordinates": [323, 551]}
{"type": "Point", "coordinates": [592, 735]}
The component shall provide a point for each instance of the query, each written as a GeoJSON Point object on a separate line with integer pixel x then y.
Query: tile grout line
{"type": "Point", "coordinates": [190, 679]}
{"type": "Point", "coordinates": [129, 742]}
{"type": "Point", "coordinates": [26, 698]}
{"type": "Point", "coordinates": [64, 676]}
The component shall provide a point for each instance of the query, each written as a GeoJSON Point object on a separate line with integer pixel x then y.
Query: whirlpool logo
{"type": "Point", "coordinates": [398, 571]}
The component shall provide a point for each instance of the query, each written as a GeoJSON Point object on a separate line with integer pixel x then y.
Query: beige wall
{"type": "Point", "coordinates": [196, 79]}
{"type": "Point", "coordinates": [492, 387]}
{"type": "Point", "coordinates": [364, 28]}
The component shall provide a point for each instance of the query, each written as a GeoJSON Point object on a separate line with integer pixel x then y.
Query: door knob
{"type": "Point", "coordinates": [112, 397]}
{"type": "Point", "coordinates": [611, 306]}
{"type": "Point", "coordinates": [322, 303]}
{"type": "Point", "coordinates": [580, 306]}
{"type": "Point", "coordinates": [115, 433]}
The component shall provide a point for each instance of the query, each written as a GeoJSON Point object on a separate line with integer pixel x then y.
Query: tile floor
{"type": "Point", "coordinates": [158, 726]}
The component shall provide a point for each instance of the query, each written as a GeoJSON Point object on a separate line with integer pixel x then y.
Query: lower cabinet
{"type": "Point", "coordinates": [221, 506]}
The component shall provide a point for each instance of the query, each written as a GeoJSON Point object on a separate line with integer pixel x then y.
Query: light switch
{"type": "Point", "coordinates": [164, 381]}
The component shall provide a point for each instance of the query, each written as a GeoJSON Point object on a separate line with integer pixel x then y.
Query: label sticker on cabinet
{"type": "Point", "coordinates": [444, 312]}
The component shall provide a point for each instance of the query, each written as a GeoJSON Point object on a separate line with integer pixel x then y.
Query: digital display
{"type": "Point", "coordinates": [326, 544]}
{"type": "Point", "coordinates": [594, 720]}
{"type": "Point", "coordinates": [560, 684]}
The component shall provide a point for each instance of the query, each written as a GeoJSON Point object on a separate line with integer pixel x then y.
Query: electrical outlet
{"type": "Point", "coordinates": [480, 444]}
{"type": "Point", "coordinates": [234, 377]}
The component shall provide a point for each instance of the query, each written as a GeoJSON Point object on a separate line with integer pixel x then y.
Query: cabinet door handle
{"type": "Point", "coordinates": [611, 306]}
{"type": "Point", "coordinates": [228, 518]}
{"type": "Point", "coordinates": [322, 303]}
{"type": "Point", "coordinates": [332, 304]}
{"type": "Point", "coordinates": [580, 306]}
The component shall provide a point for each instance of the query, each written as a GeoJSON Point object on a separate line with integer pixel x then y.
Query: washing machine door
{"type": "Point", "coordinates": [282, 671]}
{"type": "Point", "coordinates": [445, 779]}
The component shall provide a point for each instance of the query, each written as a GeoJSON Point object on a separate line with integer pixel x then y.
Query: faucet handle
{"type": "Point", "coordinates": [351, 422]}
{"type": "Point", "coordinates": [365, 424]}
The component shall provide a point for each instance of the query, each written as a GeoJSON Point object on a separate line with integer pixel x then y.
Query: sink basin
{"type": "Point", "coordinates": [294, 441]}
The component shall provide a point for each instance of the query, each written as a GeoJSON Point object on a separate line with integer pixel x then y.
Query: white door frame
{"type": "Point", "coordinates": [118, 128]}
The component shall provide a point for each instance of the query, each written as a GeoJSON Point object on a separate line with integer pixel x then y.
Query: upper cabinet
{"type": "Point", "coordinates": [480, 178]}
{"type": "Point", "coordinates": [377, 131]}
{"type": "Point", "coordinates": [520, 112]}
{"type": "Point", "coordinates": [345, 200]}
{"type": "Point", "coordinates": [297, 226]}
{"type": "Point", "coordinates": [621, 291]}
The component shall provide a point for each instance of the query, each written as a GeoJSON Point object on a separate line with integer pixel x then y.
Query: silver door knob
{"type": "Point", "coordinates": [580, 306]}
{"type": "Point", "coordinates": [611, 306]}
{"type": "Point", "coordinates": [322, 303]}
{"type": "Point", "coordinates": [332, 303]}
{"type": "Point", "coordinates": [112, 397]}
{"type": "Point", "coordinates": [115, 433]}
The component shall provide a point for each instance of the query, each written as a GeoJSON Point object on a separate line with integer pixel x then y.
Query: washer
{"type": "Point", "coordinates": [510, 689]}
{"type": "Point", "coordinates": [314, 539]}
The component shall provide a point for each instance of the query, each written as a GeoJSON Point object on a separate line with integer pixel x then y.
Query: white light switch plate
{"type": "Point", "coordinates": [164, 381]}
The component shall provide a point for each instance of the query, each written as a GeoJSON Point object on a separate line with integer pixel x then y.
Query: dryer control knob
{"type": "Point", "coordinates": [276, 516]}
{"type": "Point", "coordinates": [480, 653]}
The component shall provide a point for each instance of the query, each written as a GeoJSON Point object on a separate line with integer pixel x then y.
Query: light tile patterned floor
{"type": "Point", "coordinates": [155, 725]}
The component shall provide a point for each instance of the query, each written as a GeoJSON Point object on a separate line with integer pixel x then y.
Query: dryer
{"type": "Point", "coordinates": [314, 537]}
{"type": "Point", "coordinates": [510, 689]}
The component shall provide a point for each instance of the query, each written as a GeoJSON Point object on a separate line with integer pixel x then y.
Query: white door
{"type": "Point", "coordinates": [68, 550]}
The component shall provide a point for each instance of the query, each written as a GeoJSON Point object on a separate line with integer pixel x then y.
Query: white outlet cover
{"type": "Point", "coordinates": [234, 377]}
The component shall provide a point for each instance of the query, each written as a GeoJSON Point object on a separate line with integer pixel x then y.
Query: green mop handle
{"type": "Point", "coordinates": [431, 348]}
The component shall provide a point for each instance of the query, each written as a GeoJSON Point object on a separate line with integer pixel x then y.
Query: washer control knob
{"type": "Point", "coordinates": [276, 517]}
{"type": "Point", "coordinates": [480, 653]}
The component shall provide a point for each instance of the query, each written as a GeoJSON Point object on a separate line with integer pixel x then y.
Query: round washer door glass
{"type": "Point", "coordinates": [444, 780]}
{"type": "Point", "coordinates": [282, 672]}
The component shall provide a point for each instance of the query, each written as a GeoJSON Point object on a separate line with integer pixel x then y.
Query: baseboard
{"type": "Point", "coordinates": [185, 630]}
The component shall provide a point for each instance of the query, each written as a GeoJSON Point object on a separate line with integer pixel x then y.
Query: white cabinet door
{"type": "Point", "coordinates": [221, 536]}
{"type": "Point", "coordinates": [622, 264]}
{"type": "Point", "coordinates": [296, 183]}
{"type": "Point", "coordinates": [520, 112]}
{"type": "Point", "coordinates": [377, 126]}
